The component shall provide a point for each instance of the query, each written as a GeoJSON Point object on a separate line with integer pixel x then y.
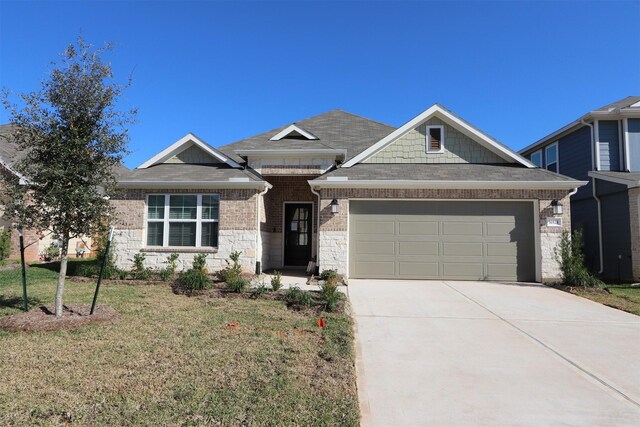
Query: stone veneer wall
{"type": "Point", "coordinates": [334, 228]}
{"type": "Point", "coordinates": [634, 217]}
{"type": "Point", "coordinates": [458, 148]}
{"type": "Point", "coordinates": [237, 229]}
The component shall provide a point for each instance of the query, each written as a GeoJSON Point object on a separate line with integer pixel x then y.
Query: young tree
{"type": "Point", "coordinates": [74, 139]}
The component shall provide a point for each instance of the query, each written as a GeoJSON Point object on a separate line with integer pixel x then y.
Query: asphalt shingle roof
{"type": "Point", "coordinates": [181, 172]}
{"type": "Point", "coordinates": [444, 172]}
{"type": "Point", "coordinates": [335, 129]}
{"type": "Point", "coordinates": [623, 103]}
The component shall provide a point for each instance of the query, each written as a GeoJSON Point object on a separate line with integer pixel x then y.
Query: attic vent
{"type": "Point", "coordinates": [293, 132]}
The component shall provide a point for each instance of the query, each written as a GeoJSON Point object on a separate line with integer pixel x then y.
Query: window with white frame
{"type": "Point", "coordinates": [435, 139]}
{"type": "Point", "coordinates": [536, 158]}
{"type": "Point", "coordinates": [551, 154]}
{"type": "Point", "coordinates": [183, 220]}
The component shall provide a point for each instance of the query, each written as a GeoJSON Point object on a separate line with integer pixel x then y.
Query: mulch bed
{"type": "Point", "coordinates": [44, 319]}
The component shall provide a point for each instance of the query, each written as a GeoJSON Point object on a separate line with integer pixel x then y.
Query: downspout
{"type": "Point", "coordinates": [595, 197]}
{"type": "Point", "coordinates": [258, 231]}
{"type": "Point", "coordinates": [318, 229]}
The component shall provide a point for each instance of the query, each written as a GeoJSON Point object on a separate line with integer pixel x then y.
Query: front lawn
{"type": "Point", "coordinates": [173, 360]}
{"type": "Point", "coordinates": [622, 297]}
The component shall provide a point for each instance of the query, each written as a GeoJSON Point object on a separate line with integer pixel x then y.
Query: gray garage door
{"type": "Point", "coordinates": [464, 240]}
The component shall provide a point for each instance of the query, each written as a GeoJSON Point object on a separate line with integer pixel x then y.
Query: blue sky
{"type": "Point", "coordinates": [229, 70]}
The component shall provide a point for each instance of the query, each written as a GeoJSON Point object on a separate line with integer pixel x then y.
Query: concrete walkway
{"type": "Point", "coordinates": [444, 353]}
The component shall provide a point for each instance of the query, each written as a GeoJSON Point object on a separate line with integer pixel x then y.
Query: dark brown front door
{"type": "Point", "coordinates": [297, 233]}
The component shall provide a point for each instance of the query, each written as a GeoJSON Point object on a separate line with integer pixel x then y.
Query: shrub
{"type": "Point", "coordinates": [571, 259]}
{"type": "Point", "coordinates": [52, 252]}
{"type": "Point", "coordinates": [259, 290]}
{"type": "Point", "coordinates": [200, 262]}
{"type": "Point", "coordinates": [237, 284]}
{"type": "Point", "coordinates": [276, 281]}
{"type": "Point", "coordinates": [330, 294]}
{"type": "Point", "coordinates": [88, 270]}
{"type": "Point", "coordinates": [5, 244]}
{"type": "Point", "coordinates": [194, 280]}
{"type": "Point", "coordinates": [330, 276]}
{"type": "Point", "coordinates": [232, 272]}
{"type": "Point", "coordinates": [139, 272]}
{"type": "Point", "coordinates": [297, 297]}
{"type": "Point", "coordinates": [172, 264]}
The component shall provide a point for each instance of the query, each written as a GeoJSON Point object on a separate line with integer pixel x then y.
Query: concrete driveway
{"type": "Point", "coordinates": [444, 353]}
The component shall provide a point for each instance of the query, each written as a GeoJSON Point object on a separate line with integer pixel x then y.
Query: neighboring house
{"type": "Point", "coordinates": [36, 242]}
{"type": "Point", "coordinates": [603, 147]}
{"type": "Point", "coordinates": [434, 199]}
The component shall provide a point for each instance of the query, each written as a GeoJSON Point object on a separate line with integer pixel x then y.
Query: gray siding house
{"type": "Point", "coordinates": [603, 147]}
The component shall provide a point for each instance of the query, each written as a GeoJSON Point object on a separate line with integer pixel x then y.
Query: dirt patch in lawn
{"type": "Point", "coordinates": [44, 319]}
{"type": "Point", "coordinates": [625, 298]}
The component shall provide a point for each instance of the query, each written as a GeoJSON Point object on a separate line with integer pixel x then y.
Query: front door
{"type": "Point", "coordinates": [297, 233]}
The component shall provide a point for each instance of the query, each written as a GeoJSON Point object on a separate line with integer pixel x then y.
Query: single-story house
{"type": "Point", "coordinates": [433, 199]}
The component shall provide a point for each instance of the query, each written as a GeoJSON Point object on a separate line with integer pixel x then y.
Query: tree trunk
{"type": "Point", "coordinates": [61, 275]}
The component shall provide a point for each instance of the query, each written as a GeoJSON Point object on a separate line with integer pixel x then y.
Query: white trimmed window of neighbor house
{"type": "Point", "coordinates": [189, 220]}
{"type": "Point", "coordinates": [435, 139]}
{"type": "Point", "coordinates": [551, 155]}
{"type": "Point", "coordinates": [536, 158]}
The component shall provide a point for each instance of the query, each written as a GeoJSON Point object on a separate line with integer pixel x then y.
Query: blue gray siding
{"type": "Point", "coordinates": [584, 216]}
{"type": "Point", "coordinates": [609, 145]}
{"type": "Point", "coordinates": [574, 154]}
{"type": "Point", "coordinates": [633, 127]}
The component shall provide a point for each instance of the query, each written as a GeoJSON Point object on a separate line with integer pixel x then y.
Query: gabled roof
{"type": "Point", "coordinates": [10, 153]}
{"type": "Point", "coordinates": [293, 130]}
{"type": "Point", "coordinates": [630, 179]}
{"type": "Point", "coordinates": [335, 129]}
{"type": "Point", "coordinates": [448, 117]}
{"type": "Point", "coordinates": [621, 108]}
{"type": "Point", "coordinates": [184, 143]}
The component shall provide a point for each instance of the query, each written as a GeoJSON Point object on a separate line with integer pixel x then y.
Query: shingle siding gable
{"type": "Point", "coordinates": [458, 148]}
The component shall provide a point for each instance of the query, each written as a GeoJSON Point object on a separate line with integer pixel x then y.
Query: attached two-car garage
{"type": "Point", "coordinates": [465, 240]}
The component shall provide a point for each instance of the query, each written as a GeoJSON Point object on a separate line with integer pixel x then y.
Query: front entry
{"type": "Point", "coordinates": [297, 233]}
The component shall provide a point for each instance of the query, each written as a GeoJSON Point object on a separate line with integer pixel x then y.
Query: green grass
{"type": "Point", "coordinates": [172, 360]}
{"type": "Point", "coordinates": [622, 297]}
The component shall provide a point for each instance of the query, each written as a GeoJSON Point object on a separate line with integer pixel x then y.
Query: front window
{"type": "Point", "coordinates": [183, 220]}
{"type": "Point", "coordinates": [536, 158]}
{"type": "Point", "coordinates": [551, 153]}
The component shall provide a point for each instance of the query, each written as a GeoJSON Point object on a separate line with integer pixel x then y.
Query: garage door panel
{"type": "Point", "coordinates": [501, 271]}
{"type": "Point", "coordinates": [375, 248]}
{"type": "Point", "coordinates": [418, 269]}
{"type": "Point", "coordinates": [418, 228]}
{"type": "Point", "coordinates": [418, 248]}
{"type": "Point", "coordinates": [470, 271]}
{"type": "Point", "coordinates": [375, 269]}
{"type": "Point", "coordinates": [500, 228]}
{"type": "Point", "coordinates": [375, 227]}
{"type": "Point", "coordinates": [462, 249]}
{"type": "Point", "coordinates": [442, 239]}
{"type": "Point", "coordinates": [451, 228]}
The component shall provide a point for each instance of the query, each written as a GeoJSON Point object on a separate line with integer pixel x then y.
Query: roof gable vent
{"type": "Point", "coordinates": [293, 132]}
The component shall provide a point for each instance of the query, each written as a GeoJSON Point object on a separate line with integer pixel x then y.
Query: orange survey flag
{"type": "Point", "coordinates": [321, 322]}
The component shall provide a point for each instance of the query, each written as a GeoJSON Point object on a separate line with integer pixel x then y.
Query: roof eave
{"type": "Point", "coordinates": [630, 183]}
{"type": "Point", "coordinates": [454, 185]}
{"type": "Point", "coordinates": [131, 184]}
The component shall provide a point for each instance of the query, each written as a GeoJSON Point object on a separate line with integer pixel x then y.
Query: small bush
{"type": "Point", "coordinates": [172, 264]}
{"type": "Point", "coordinates": [200, 262]}
{"type": "Point", "coordinates": [194, 280]}
{"type": "Point", "coordinates": [328, 275]}
{"type": "Point", "coordinates": [165, 274]}
{"type": "Point", "coordinates": [5, 244]}
{"type": "Point", "coordinates": [138, 262]}
{"type": "Point", "coordinates": [330, 295]}
{"type": "Point", "coordinates": [259, 290]}
{"type": "Point", "coordinates": [237, 284]}
{"type": "Point", "coordinates": [569, 255]}
{"type": "Point", "coordinates": [52, 252]}
{"type": "Point", "coordinates": [276, 281]}
{"type": "Point", "coordinates": [88, 270]}
{"type": "Point", "coordinates": [231, 273]}
{"type": "Point", "coordinates": [144, 274]}
{"type": "Point", "coordinates": [139, 272]}
{"type": "Point", "coordinates": [297, 297]}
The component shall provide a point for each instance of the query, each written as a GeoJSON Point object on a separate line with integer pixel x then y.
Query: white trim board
{"type": "Point", "coordinates": [630, 183]}
{"type": "Point", "coordinates": [452, 120]}
{"type": "Point", "coordinates": [293, 128]}
{"type": "Point", "coordinates": [181, 145]}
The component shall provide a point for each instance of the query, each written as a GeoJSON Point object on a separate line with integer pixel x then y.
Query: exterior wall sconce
{"type": "Point", "coordinates": [557, 207]}
{"type": "Point", "coordinates": [335, 208]}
